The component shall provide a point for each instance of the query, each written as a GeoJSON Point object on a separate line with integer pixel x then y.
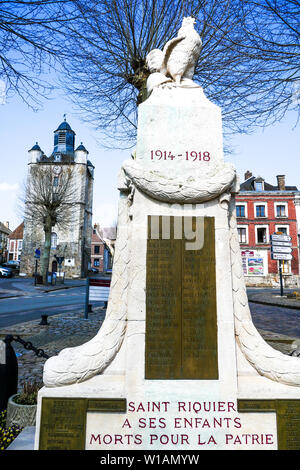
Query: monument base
{"type": "Point", "coordinates": [124, 408]}
{"type": "Point", "coordinates": [177, 364]}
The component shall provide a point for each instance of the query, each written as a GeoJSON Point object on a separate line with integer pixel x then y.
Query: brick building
{"type": "Point", "coordinates": [15, 243]}
{"type": "Point", "coordinates": [4, 234]}
{"type": "Point", "coordinates": [97, 249]}
{"type": "Point", "coordinates": [102, 248]}
{"type": "Point", "coordinates": [263, 209]}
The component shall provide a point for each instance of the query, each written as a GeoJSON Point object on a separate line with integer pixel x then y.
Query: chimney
{"type": "Point", "coordinates": [6, 224]}
{"type": "Point", "coordinates": [248, 174]}
{"type": "Point", "coordinates": [281, 182]}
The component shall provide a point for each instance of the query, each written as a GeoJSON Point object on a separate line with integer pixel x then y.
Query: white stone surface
{"type": "Point", "coordinates": [179, 121]}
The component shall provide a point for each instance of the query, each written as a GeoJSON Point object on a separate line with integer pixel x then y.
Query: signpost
{"type": "Point", "coordinates": [97, 290]}
{"type": "Point", "coordinates": [37, 255]}
{"type": "Point", "coordinates": [281, 250]}
{"type": "Point", "coordinates": [60, 260]}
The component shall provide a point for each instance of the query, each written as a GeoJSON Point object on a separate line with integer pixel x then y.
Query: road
{"type": "Point", "coordinates": [27, 303]}
{"type": "Point", "coordinates": [280, 320]}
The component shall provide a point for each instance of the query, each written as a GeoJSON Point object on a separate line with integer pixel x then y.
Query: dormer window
{"type": "Point", "coordinates": [259, 184]}
{"type": "Point", "coordinates": [57, 158]}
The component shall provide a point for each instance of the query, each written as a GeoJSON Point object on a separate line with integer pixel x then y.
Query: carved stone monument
{"type": "Point", "coordinates": [177, 363]}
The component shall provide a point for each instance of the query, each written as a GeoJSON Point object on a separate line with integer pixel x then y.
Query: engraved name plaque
{"type": "Point", "coordinates": [181, 324]}
{"type": "Point", "coordinates": [288, 419]}
{"type": "Point", "coordinates": [63, 424]}
{"type": "Point", "coordinates": [63, 420]}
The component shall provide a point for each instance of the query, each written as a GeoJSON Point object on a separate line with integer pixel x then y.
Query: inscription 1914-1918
{"type": "Point", "coordinates": [181, 320]}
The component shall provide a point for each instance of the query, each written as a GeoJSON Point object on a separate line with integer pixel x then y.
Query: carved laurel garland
{"type": "Point", "coordinates": [267, 361]}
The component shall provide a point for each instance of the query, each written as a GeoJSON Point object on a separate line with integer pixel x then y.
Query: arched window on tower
{"type": "Point", "coordinates": [53, 240]}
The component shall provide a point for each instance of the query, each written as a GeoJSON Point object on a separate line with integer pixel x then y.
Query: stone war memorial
{"type": "Point", "coordinates": [177, 363]}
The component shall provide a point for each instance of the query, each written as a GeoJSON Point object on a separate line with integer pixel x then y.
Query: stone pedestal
{"type": "Point", "coordinates": [177, 363]}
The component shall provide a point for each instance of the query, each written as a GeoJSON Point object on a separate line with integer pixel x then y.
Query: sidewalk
{"type": "Point", "coordinates": [273, 297]}
{"type": "Point", "coordinates": [20, 289]}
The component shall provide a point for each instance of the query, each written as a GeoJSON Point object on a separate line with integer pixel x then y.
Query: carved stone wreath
{"type": "Point", "coordinates": [189, 187]}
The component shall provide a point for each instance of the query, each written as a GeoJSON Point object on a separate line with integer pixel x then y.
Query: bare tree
{"type": "Point", "coordinates": [48, 203]}
{"type": "Point", "coordinates": [31, 38]}
{"type": "Point", "coordinates": [273, 46]}
{"type": "Point", "coordinates": [105, 72]}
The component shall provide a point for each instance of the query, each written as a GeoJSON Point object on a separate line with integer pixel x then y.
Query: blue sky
{"type": "Point", "coordinates": [268, 152]}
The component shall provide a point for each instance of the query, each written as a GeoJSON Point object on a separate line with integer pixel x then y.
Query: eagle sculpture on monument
{"type": "Point", "coordinates": [176, 62]}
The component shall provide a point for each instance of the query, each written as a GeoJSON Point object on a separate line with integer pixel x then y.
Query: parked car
{"type": "Point", "coordinates": [11, 263]}
{"type": "Point", "coordinates": [5, 272]}
{"type": "Point", "coordinates": [93, 270]}
{"type": "Point", "coordinates": [14, 265]}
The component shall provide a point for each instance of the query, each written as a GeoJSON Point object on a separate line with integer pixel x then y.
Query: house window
{"type": "Point", "coordinates": [242, 234]}
{"type": "Point", "coordinates": [53, 240]}
{"type": "Point", "coordinates": [96, 262]}
{"type": "Point", "coordinates": [282, 230]}
{"type": "Point", "coordinates": [55, 181]}
{"type": "Point", "coordinates": [20, 243]}
{"type": "Point", "coordinates": [260, 211]}
{"type": "Point", "coordinates": [57, 157]}
{"type": "Point", "coordinates": [97, 249]}
{"type": "Point", "coordinates": [240, 211]}
{"type": "Point", "coordinates": [280, 210]}
{"type": "Point", "coordinates": [261, 235]}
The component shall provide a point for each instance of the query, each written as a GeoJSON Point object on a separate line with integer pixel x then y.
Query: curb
{"type": "Point", "coordinates": [61, 288]}
{"type": "Point", "coordinates": [263, 302]}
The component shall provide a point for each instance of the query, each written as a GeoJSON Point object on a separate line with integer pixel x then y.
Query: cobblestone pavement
{"type": "Point", "coordinates": [63, 331]}
{"type": "Point", "coordinates": [279, 326]}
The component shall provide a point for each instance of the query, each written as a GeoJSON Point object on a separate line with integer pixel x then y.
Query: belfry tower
{"type": "Point", "coordinates": [73, 242]}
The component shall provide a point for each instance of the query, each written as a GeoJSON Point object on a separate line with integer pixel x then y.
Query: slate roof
{"type": "Point", "coordinates": [17, 234]}
{"type": "Point", "coordinates": [81, 147]}
{"type": "Point", "coordinates": [4, 229]}
{"type": "Point", "coordinates": [36, 147]}
{"type": "Point", "coordinates": [248, 185]}
{"type": "Point", "coordinates": [64, 126]}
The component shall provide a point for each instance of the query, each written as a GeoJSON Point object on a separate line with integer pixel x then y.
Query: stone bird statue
{"type": "Point", "coordinates": [178, 59]}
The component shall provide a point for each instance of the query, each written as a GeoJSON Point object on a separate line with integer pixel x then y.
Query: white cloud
{"type": "Point", "coordinates": [9, 187]}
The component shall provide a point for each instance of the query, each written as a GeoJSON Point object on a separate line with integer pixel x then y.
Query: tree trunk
{"type": "Point", "coordinates": [45, 255]}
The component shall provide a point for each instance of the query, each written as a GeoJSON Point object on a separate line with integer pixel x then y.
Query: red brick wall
{"type": "Point", "coordinates": [97, 241]}
{"type": "Point", "coordinates": [271, 220]}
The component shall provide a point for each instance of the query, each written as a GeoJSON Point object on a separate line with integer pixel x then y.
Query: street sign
{"type": "Point", "coordinates": [37, 254]}
{"type": "Point", "coordinates": [281, 249]}
{"type": "Point", "coordinates": [282, 238]}
{"type": "Point", "coordinates": [281, 256]}
{"type": "Point", "coordinates": [276, 243]}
